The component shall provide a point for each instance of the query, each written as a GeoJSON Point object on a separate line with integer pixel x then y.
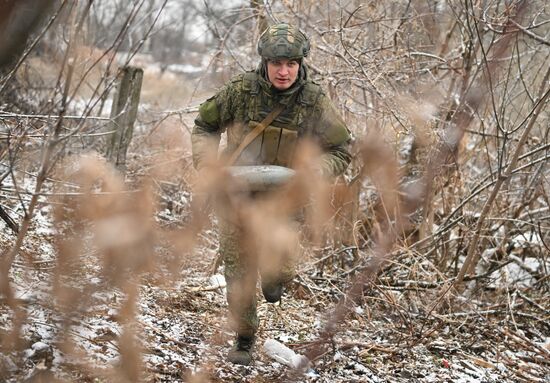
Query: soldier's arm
{"type": "Point", "coordinates": [334, 139]}
{"type": "Point", "coordinates": [335, 160]}
{"type": "Point", "coordinates": [214, 115]}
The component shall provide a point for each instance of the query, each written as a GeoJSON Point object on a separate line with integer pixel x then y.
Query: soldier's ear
{"type": "Point", "coordinates": [264, 68]}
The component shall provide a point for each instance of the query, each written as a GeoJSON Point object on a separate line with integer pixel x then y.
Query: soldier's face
{"type": "Point", "coordinates": [282, 73]}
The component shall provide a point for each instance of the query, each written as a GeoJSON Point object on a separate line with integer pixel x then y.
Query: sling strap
{"type": "Point", "coordinates": [255, 133]}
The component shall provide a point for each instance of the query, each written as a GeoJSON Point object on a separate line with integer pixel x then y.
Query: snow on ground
{"type": "Point", "coordinates": [183, 333]}
{"type": "Point", "coordinates": [390, 335]}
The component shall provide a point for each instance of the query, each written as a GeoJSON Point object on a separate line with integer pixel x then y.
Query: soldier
{"type": "Point", "coordinates": [282, 105]}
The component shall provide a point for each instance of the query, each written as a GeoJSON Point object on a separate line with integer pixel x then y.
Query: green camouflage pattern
{"type": "Point", "coordinates": [235, 109]}
{"type": "Point", "coordinates": [241, 274]}
{"type": "Point", "coordinates": [283, 41]}
{"type": "Point", "coordinates": [248, 98]}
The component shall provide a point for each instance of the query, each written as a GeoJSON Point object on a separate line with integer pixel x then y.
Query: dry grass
{"type": "Point", "coordinates": [123, 273]}
{"type": "Point", "coordinates": [165, 91]}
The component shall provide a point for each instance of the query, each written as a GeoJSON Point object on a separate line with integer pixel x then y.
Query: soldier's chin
{"type": "Point", "coordinates": [282, 85]}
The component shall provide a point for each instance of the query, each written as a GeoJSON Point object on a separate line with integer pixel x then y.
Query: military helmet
{"type": "Point", "coordinates": [283, 41]}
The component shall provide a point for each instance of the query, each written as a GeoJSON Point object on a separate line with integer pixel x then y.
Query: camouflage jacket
{"type": "Point", "coordinates": [247, 99]}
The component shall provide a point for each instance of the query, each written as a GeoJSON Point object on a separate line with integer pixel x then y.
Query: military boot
{"type": "Point", "coordinates": [272, 290]}
{"type": "Point", "coordinates": [242, 350]}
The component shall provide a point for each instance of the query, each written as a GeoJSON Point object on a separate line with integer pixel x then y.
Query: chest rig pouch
{"type": "Point", "coordinates": [275, 146]}
{"type": "Point", "coordinates": [277, 143]}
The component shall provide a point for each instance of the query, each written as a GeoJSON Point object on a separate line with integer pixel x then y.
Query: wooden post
{"type": "Point", "coordinates": [123, 115]}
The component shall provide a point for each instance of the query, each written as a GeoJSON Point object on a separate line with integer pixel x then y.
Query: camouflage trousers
{"type": "Point", "coordinates": [244, 258]}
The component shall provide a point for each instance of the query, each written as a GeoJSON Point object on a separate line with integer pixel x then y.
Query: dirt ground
{"type": "Point", "coordinates": [392, 334]}
{"type": "Point", "coordinates": [408, 326]}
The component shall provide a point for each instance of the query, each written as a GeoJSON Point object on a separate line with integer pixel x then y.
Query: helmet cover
{"type": "Point", "coordinates": [283, 41]}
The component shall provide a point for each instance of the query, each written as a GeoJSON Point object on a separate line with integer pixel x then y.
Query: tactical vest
{"type": "Point", "coordinates": [277, 143]}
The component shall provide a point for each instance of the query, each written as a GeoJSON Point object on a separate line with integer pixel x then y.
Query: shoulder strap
{"type": "Point", "coordinates": [250, 82]}
{"type": "Point", "coordinates": [310, 94]}
{"type": "Point", "coordinates": [255, 133]}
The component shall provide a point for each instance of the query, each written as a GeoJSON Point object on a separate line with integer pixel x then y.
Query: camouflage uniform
{"type": "Point", "coordinates": [247, 99]}
{"type": "Point", "coordinates": [236, 109]}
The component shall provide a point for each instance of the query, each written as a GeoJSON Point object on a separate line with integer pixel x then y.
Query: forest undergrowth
{"type": "Point", "coordinates": [427, 261]}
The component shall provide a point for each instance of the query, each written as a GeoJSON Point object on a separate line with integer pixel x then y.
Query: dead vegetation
{"type": "Point", "coordinates": [429, 262]}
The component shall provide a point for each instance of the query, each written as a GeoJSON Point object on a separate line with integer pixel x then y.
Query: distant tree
{"type": "Point", "coordinates": [18, 20]}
